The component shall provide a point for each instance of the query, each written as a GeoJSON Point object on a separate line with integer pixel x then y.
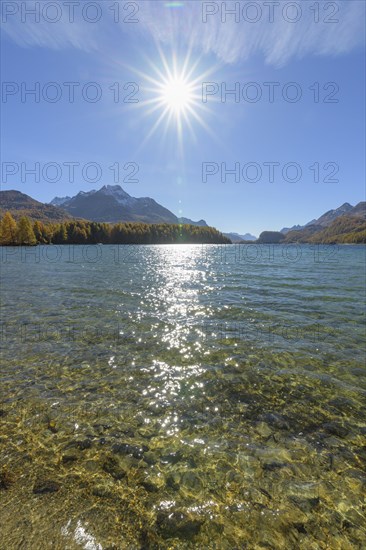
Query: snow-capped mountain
{"type": "Point", "coordinates": [237, 238]}
{"type": "Point", "coordinates": [57, 201]}
{"type": "Point", "coordinates": [112, 204]}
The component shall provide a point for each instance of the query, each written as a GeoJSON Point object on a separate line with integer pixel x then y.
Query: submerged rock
{"type": "Point", "coordinates": [153, 483]}
{"type": "Point", "coordinates": [111, 466]}
{"type": "Point", "coordinates": [334, 428]}
{"type": "Point", "coordinates": [127, 449]}
{"type": "Point", "coordinates": [52, 426]}
{"type": "Point", "coordinates": [177, 524]}
{"type": "Point", "coordinates": [172, 458]}
{"type": "Point", "coordinates": [150, 458]}
{"type": "Point", "coordinates": [68, 458]}
{"type": "Point", "coordinates": [42, 487]}
{"type": "Point", "coordinates": [271, 466]}
{"type": "Point", "coordinates": [84, 444]}
{"type": "Point", "coordinates": [192, 482]}
{"type": "Point", "coordinates": [305, 504]}
{"type": "Point", "coordinates": [81, 444]}
{"type": "Point", "coordinates": [101, 492]}
{"type": "Point", "coordinates": [6, 479]}
{"type": "Point", "coordinates": [173, 481]}
{"type": "Point", "coordinates": [277, 421]}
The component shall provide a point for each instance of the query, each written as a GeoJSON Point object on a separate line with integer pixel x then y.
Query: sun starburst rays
{"type": "Point", "coordinates": [173, 94]}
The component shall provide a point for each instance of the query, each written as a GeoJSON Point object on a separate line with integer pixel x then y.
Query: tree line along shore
{"type": "Point", "coordinates": [26, 232]}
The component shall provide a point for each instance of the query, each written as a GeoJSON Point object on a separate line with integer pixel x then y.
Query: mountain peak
{"type": "Point", "coordinates": [346, 207]}
{"type": "Point", "coordinates": [111, 203]}
{"type": "Point", "coordinates": [326, 219]}
{"type": "Point", "coordinates": [115, 191]}
{"type": "Point", "coordinates": [111, 188]}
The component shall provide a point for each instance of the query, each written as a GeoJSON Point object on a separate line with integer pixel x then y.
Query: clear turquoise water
{"type": "Point", "coordinates": [183, 397]}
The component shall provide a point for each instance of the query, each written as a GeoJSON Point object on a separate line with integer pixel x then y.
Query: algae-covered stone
{"type": "Point", "coordinates": [42, 487]}
{"type": "Point", "coordinates": [172, 458]}
{"type": "Point", "coordinates": [150, 458]}
{"type": "Point", "coordinates": [277, 421]}
{"type": "Point", "coordinates": [69, 458]}
{"type": "Point", "coordinates": [6, 479]}
{"type": "Point", "coordinates": [91, 466]}
{"type": "Point", "coordinates": [173, 481]}
{"type": "Point", "coordinates": [263, 429]}
{"type": "Point", "coordinates": [128, 449]}
{"type": "Point", "coordinates": [112, 466]}
{"type": "Point", "coordinates": [84, 444]}
{"type": "Point", "coordinates": [153, 483]}
{"type": "Point", "coordinates": [146, 432]}
{"type": "Point", "coordinates": [101, 492]}
{"type": "Point", "coordinates": [305, 504]}
{"type": "Point", "coordinates": [52, 426]}
{"type": "Point", "coordinates": [177, 524]}
{"type": "Point", "coordinates": [335, 428]}
{"type": "Point", "coordinates": [191, 482]}
{"type": "Point", "coordinates": [273, 465]}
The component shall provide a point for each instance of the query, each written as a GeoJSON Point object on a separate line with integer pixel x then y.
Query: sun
{"type": "Point", "coordinates": [178, 95]}
{"type": "Point", "coordinates": [171, 90]}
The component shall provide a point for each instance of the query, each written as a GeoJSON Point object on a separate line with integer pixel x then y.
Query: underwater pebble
{"type": "Point", "coordinates": [69, 458]}
{"type": "Point", "coordinates": [172, 458]}
{"type": "Point", "coordinates": [127, 449]}
{"type": "Point", "coordinates": [305, 504]}
{"type": "Point", "coordinates": [153, 484]}
{"type": "Point", "coordinates": [276, 420]}
{"type": "Point", "coordinates": [334, 428]}
{"type": "Point", "coordinates": [101, 492]}
{"type": "Point", "coordinates": [111, 466]}
{"type": "Point", "coordinates": [6, 479]}
{"type": "Point", "coordinates": [150, 458]}
{"type": "Point", "coordinates": [42, 487]}
{"type": "Point", "coordinates": [177, 524]}
{"type": "Point", "coordinates": [271, 466]}
{"type": "Point", "coordinates": [84, 444]}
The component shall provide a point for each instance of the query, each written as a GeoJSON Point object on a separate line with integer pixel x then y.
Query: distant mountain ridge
{"type": "Point", "coordinates": [200, 223]}
{"type": "Point", "coordinates": [58, 201]}
{"type": "Point", "coordinates": [20, 204]}
{"type": "Point", "coordinates": [108, 204]}
{"type": "Point", "coordinates": [112, 204]}
{"type": "Point", "coordinates": [237, 238]}
{"type": "Point", "coordinates": [346, 224]}
{"type": "Point", "coordinates": [326, 219]}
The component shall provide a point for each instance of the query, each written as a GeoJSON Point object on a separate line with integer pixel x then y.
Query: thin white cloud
{"type": "Point", "coordinates": [229, 41]}
{"type": "Point", "coordinates": [277, 41]}
{"type": "Point", "coordinates": [23, 28]}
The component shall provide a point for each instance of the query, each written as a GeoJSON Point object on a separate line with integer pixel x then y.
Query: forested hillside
{"type": "Point", "coordinates": [24, 232]}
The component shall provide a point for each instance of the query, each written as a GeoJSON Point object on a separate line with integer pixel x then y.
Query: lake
{"type": "Point", "coordinates": [183, 396]}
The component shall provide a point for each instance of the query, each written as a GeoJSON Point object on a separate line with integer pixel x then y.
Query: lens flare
{"type": "Point", "coordinates": [172, 93]}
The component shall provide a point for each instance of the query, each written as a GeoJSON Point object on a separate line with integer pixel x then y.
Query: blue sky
{"type": "Point", "coordinates": [324, 129]}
